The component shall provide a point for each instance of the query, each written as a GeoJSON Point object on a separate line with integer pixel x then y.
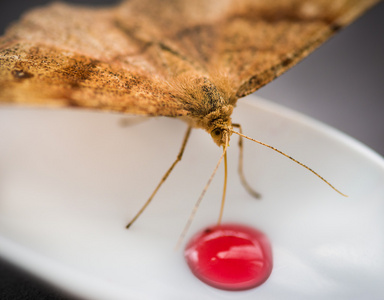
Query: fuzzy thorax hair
{"type": "Point", "coordinates": [209, 103]}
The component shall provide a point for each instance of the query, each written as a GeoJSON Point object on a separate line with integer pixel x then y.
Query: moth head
{"type": "Point", "coordinates": [221, 134]}
{"type": "Point", "coordinates": [219, 124]}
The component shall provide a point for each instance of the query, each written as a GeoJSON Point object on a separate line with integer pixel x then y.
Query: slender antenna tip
{"type": "Point", "coordinates": [291, 158]}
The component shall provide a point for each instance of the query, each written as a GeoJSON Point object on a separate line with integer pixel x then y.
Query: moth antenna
{"type": "Point", "coordinates": [197, 204]}
{"type": "Point", "coordinates": [291, 158]}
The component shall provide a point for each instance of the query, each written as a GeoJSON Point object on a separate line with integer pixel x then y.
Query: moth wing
{"type": "Point", "coordinates": [262, 39]}
{"type": "Point", "coordinates": [70, 56]}
{"type": "Point", "coordinates": [239, 45]}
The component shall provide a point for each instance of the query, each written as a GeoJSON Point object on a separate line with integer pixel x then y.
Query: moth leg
{"type": "Point", "coordinates": [178, 158]}
{"type": "Point", "coordinates": [126, 122]}
{"type": "Point", "coordinates": [246, 185]}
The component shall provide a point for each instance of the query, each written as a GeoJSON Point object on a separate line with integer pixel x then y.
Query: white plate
{"type": "Point", "coordinates": [71, 180]}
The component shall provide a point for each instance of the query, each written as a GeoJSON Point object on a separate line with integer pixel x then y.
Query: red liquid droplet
{"type": "Point", "coordinates": [230, 257]}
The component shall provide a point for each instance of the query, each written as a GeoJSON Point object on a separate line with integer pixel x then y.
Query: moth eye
{"type": "Point", "coordinates": [216, 132]}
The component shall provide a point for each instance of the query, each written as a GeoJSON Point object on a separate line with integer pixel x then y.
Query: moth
{"type": "Point", "coordinates": [190, 60]}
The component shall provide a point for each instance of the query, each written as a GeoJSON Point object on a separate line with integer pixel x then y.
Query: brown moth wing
{"type": "Point", "coordinates": [250, 42]}
{"type": "Point", "coordinates": [139, 57]}
{"type": "Point", "coordinates": [64, 55]}
{"type": "Point", "coordinates": [262, 39]}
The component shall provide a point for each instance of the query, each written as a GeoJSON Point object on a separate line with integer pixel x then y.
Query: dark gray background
{"type": "Point", "coordinates": [341, 84]}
